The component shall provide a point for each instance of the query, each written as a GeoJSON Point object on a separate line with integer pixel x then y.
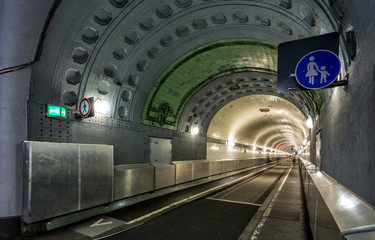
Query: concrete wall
{"type": "Point", "coordinates": [132, 146]}
{"type": "Point", "coordinates": [347, 125]}
{"type": "Point", "coordinates": [21, 24]}
{"type": "Point", "coordinates": [131, 140]}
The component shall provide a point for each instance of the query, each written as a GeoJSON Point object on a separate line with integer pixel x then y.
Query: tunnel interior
{"type": "Point", "coordinates": [197, 76]}
{"type": "Point", "coordinates": [265, 123]}
{"type": "Point", "coordinates": [165, 70]}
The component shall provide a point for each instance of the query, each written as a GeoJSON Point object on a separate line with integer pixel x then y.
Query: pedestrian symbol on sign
{"type": "Point", "coordinates": [323, 74]}
{"type": "Point", "coordinates": [311, 70]}
{"type": "Point", "coordinates": [317, 69]}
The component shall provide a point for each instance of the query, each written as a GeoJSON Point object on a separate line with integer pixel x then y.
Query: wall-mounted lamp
{"type": "Point", "coordinates": [309, 123]}
{"type": "Point", "coordinates": [194, 130]}
{"type": "Point", "coordinates": [101, 107]}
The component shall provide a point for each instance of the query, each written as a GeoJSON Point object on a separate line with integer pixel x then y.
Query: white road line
{"type": "Point", "coordinates": [231, 201]}
{"type": "Point", "coordinates": [196, 196]}
{"type": "Point", "coordinates": [269, 208]}
{"type": "Point", "coordinates": [100, 223]}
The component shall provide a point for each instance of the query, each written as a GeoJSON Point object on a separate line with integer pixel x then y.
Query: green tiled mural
{"type": "Point", "coordinates": [182, 79]}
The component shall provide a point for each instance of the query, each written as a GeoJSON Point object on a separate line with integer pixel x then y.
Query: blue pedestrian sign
{"type": "Point", "coordinates": [318, 69]}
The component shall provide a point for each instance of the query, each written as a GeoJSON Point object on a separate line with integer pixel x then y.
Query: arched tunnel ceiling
{"type": "Point", "coordinates": [116, 50]}
{"type": "Point", "coordinates": [203, 105]}
{"type": "Point", "coordinates": [187, 75]}
{"type": "Point", "coordinates": [263, 121]}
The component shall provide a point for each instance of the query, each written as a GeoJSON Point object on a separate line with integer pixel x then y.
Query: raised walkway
{"type": "Point", "coordinates": [284, 213]}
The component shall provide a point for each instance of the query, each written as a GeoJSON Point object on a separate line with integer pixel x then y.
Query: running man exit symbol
{"type": "Point", "coordinates": [318, 69]}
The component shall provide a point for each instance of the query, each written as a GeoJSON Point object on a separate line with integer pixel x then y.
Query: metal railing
{"type": "Point", "coordinates": [334, 211]}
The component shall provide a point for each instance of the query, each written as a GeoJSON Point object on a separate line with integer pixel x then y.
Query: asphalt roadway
{"type": "Point", "coordinates": [223, 215]}
{"type": "Point", "coordinates": [228, 208]}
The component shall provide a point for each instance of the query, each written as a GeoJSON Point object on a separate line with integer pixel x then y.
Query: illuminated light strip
{"type": "Point", "coordinates": [231, 201]}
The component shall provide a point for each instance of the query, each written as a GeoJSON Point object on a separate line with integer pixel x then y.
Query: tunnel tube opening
{"type": "Point", "coordinates": [188, 94]}
{"type": "Point", "coordinates": [256, 125]}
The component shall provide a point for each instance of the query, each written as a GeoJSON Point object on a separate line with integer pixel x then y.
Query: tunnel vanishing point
{"type": "Point", "coordinates": [174, 81]}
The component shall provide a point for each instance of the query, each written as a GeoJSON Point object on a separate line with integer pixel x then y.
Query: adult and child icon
{"type": "Point", "coordinates": [313, 69]}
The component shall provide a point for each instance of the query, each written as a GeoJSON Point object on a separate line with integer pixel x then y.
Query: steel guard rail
{"type": "Point", "coordinates": [334, 211]}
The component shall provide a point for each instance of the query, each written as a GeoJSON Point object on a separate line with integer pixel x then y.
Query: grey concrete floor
{"type": "Point", "coordinates": [288, 218]}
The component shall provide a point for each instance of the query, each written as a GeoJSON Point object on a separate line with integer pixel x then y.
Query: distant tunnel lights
{"type": "Point", "coordinates": [230, 143]}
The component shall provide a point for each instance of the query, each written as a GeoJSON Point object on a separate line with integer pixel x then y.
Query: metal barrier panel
{"type": "Point", "coordinates": [365, 235]}
{"type": "Point", "coordinates": [61, 178]}
{"type": "Point", "coordinates": [164, 175]}
{"type": "Point", "coordinates": [201, 170]}
{"type": "Point", "coordinates": [335, 212]}
{"type": "Point", "coordinates": [96, 179]}
{"type": "Point", "coordinates": [215, 168]}
{"type": "Point", "coordinates": [326, 226]}
{"type": "Point", "coordinates": [311, 193]}
{"type": "Point", "coordinates": [235, 164]}
{"type": "Point", "coordinates": [226, 166]}
{"type": "Point", "coordinates": [244, 163]}
{"type": "Point", "coordinates": [184, 172]}
{"type": "Point", "coordinates": [133, 179]}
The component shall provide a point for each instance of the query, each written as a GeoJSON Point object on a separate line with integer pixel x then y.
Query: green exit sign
{"type": "Point", "coordinates": [56, 111]}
